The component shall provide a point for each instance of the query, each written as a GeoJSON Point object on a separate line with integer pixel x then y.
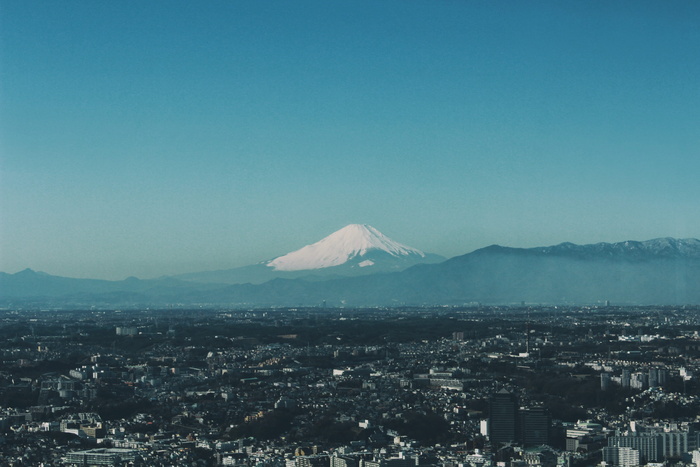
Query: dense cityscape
{"type": "Point", "coordinates": [473, 386]}
{"type": "Point", "coordinates": [349, 234]}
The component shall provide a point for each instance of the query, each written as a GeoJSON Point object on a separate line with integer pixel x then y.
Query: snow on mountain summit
{"type": "Point", "coordinates": [666, 247]}
{"type": "Point", "coordinates": [354, 240]}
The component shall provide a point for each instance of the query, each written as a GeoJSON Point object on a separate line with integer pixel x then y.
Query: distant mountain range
{"type": "Point", "coordinates": [358, 266]}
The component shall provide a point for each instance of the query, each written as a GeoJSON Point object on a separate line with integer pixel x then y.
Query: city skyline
{"type": "Point", "coordinates": [156, 139]}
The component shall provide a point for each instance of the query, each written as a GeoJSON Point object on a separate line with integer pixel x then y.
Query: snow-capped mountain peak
{"type": "Point", "coordinates": [354, 240]}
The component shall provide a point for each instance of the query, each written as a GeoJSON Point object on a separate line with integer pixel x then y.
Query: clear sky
{"type": "Point", "coordinates": [158, 137]}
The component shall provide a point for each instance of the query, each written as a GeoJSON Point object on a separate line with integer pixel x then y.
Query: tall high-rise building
{"type": "Point", "coordinates": [657, 377]}
{"type": "Point", "coordinates": [649, 445]}
{"type": "Point", "coordinates": [625, 378]}
{"type": "Point", "coordinates": [534, 426]}
{"type": "Point", "coordinates": [503, 417]}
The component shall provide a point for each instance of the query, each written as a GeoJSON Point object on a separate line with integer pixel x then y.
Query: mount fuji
{"type": "Point", "coordinates": [354, 250]}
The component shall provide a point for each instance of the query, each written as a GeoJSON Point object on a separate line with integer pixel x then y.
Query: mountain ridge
{"type": "Point", "coordinates": [628, 249]}
{"type": "Point", "coordinates": [656, 272]}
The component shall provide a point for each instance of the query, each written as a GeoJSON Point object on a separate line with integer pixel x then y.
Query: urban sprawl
{"type": "Point", "coordinates": [476, 386]}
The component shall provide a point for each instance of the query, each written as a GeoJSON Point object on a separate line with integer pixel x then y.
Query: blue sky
{"type": "Point", "coordinates": [151, 138]}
